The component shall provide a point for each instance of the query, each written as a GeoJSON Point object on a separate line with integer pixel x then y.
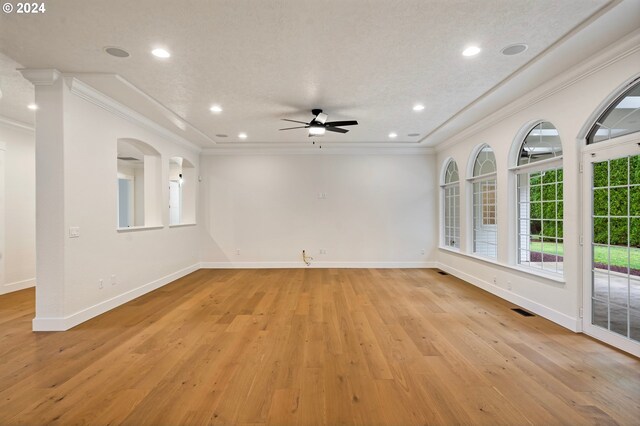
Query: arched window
{"type": "Point", "coordinates": [485, 232]}
{"type": "Point", "coordinates": [182, 192]}
{"type": "Point", "coordinates": [139, 193]}
{"type": "Point", "coordinates": [621, 118]}
{"type": "Point", "coordinates": [451, 206]}
{"type": "Point", "coordinates": [539, 177]}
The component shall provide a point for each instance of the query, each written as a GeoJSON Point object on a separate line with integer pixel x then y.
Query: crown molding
{"type": "Point", "coordinates": [88, 93]}
{"type": "Point", "coordinates": [314, 150]}
{"type": "Point", "coordinates": [40, 76]}
{"type": "Point", "coordinates": [627, 46]}
{"type": "Point", "coordinates": [168, 112]}
{"type": "Point", "coordinates": [18, 124]}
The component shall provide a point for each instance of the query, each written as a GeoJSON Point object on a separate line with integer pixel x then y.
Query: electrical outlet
{"type": "Point", "coordinates": [495, 281]}
{"type": "Point", "coordinates": [237, 252]}
{"type": "Point", "coordinates": [422, 251]}
{"type": "Point", "coordinates": [100, 284]}
{"type": "Point", "coordinates": [74, 232]}
{"type": "Point", "coordinates": [509, 285]}
{"type": "Point", "coordinates": [114, 280]}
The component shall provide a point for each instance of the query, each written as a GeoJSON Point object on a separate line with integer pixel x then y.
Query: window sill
{"type": "Point", "coordinates": [559, 279]}
{"type": "Point", "coordinates": [451, 249]}
{"type": "Point", "coordinates": [139, 228]}
{"type": "Point", "coordinates": [539, 273]}
{"type": "Point", "coordinates": [181, 225]}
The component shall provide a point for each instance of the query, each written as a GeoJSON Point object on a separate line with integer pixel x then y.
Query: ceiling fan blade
{"type": "Point", "coordinates": [321, 118]}
{"type": "Point", "coordinates": [290, 128]}
{"type": "Point", "coordinates": [336, 129]}
{"type": "Point", "coordinates": [342, 123]}
{"type": "Point", "coordinates": [294, 121]}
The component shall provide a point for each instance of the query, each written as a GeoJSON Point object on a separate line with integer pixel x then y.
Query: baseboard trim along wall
{"type": "Point", "coordinates": [314, 264]}
{"type": "Point", "coordinates": [65, 323]}
{"type": "Point", "coordinates": [18, 285]}
{"type": "Point", "coordinates": [559, 318]}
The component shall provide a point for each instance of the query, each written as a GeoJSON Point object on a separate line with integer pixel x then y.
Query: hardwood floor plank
{"type": "Point", "coordinates": [311, 346]}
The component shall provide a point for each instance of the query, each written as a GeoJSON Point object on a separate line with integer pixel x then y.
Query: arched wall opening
{"type": "Point", "coordinates": [182, 191]}
{"type": "Point", "coordinates": [139, 191]}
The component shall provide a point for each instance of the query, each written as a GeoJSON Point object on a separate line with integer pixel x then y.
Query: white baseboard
{"type": "Point", "coordinates": [18, 285]}
{"type": "Point", "coordinates": [571, 323]}
{"type": "Point", "coordinates": [314, 264]}
{"type": "Point", "coordinates": [65, 323]}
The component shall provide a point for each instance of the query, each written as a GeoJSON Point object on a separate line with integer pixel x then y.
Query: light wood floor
{"type": "Point", "coordinates": [311, 346]}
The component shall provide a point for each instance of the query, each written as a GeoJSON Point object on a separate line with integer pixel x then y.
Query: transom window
{"type": "Point", "coordinates": [540, 199]}
{"type": "Point", "coordinates": [451, 205]}
{"type": "Point", "coordinates": [621, 118]}
{"type": "Point", "coordinates": [485, 232]}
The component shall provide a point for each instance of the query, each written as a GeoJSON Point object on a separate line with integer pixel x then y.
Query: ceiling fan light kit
{"type": "Point", "coordinates": [316, 130]}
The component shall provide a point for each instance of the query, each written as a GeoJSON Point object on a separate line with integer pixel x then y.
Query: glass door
{"type": "Point", "coordinates": [2, 215]}
{"type": "Point", "coordinates": [612, 246]}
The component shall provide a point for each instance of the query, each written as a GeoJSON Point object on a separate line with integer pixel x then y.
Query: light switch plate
{"type": "Point", "coordinates": [74, 232]}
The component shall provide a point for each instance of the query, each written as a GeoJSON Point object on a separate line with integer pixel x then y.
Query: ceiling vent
{"type": "Point", "coordinates": [117, 52]}
{"type": "Point", "coordinates": [514, 49]}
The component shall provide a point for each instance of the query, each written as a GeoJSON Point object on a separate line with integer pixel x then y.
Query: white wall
{"type": "Point", "coordinates": [568, 108]}
{"type": "Point", "coordinates": [378, 209]}
{"type": "Point", "coordinates": [140, 260]}
{"type": "Point", "coordinates": [19, 207]}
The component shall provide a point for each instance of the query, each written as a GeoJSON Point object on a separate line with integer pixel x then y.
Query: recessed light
{"type": "Point", "coordinates": [32, 107]}
{"type": "Point", "coordinates": [222, 135]}
{"type": "Point", "coordinates": [413, 135]}
{"type": "Point", "coordinates": [471, 51]}
{"type": "Point", "coordinates": [160, 53]}
{"type": "Point", "coordinates": [117, 52]}
{"type": "Point", "coordinates": [215, 108]}
{"type": "Point", "coordinates": [418, 107]}
{"type": "Point", "coordinates": [514, 49]}
{"type": "Point", "coordinates": [393, 135]}
{"type": "Point", "coordinates": [242, 135]}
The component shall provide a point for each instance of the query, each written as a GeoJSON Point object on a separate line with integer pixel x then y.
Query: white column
{"type": "Point", "coordinates": [153, 194]}
{"type": "Point", "coordinates": [2, 214]}
{"type": "Point", "coordinates": [50, 196]}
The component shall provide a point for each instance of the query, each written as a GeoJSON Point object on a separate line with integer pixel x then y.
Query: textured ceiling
{"type": "Point", "coordinates": [16, 92]}
{"type": "Point", "coordinates": [262, 61]}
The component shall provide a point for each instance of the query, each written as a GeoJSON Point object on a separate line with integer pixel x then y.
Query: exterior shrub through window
{"type": "Point", "coordinates": [540, 199]}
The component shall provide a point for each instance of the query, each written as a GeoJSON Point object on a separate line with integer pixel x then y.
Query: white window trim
{"type": "Point", "coordinates": [538, 166]}
{"type": "Point", "coordinates": [471, 181]}
{"type": "Point", "coordinates": [486, 176]}
{"type": "Point", "coordinates": [557, 279]}
{"type": "Point", "coordinates": [181, 225]}
{"type": "Point", "coordinates": [443, 223]}
{"type": "Point", "coordinates": [139, 228]}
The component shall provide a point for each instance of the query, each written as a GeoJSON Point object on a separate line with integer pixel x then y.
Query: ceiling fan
{"type": "Point", "coordinates": [319, 124]}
